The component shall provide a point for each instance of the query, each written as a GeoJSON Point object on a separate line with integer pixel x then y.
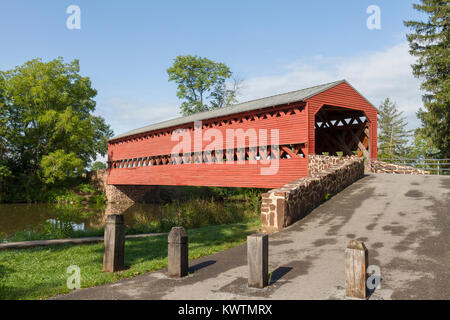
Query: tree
{"type": "Point", "coordinates": [201, 84]}
{"type": "Point", "coordinates": [4, 170]}
{"type": "Point", "coordinates": [224, 95]}
{"type": "Point", "coordinates": [51, 131]}
{"type": "Point", "coordinates": [429, 42]}
{"type": "Point", "coordinates": [59, 165]}
{"type": "Point", "coordinates": [98, 165]}
{"type": "Point", "coordinates": [422, 147]}
{"type": "Point", "coordinates": [393, 137]}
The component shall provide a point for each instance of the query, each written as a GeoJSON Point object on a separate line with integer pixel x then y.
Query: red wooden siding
{"type": "Point", "coordinates": [204, 174]}
{"type": "Point", "coordinates": [292, 130]}
{"type": "Point", "coordinates": [288, 119]}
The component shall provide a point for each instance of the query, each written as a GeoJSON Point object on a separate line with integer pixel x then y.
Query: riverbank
{"type": "Point", "coordinates": [79, 190]}
{"type": "Point", "coordinates": [40, 273]}
{"type": "Point", "coordinates": [191, 207]}
{"type": "Point", "coordinates": [216, 219]}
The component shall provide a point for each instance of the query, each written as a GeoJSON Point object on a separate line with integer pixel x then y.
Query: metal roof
{"type": "Point", "coordinates": [279, 99]}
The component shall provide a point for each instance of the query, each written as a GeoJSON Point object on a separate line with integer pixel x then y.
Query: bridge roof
{"type": "Point", "coordinates": [276, 100]}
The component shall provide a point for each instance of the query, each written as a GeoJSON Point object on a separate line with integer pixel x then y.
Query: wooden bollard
{"type": "Point", "coordinates": [356, 261]}
{"type": "Point", "coordinates": [114, 239]}
{"type": "Point", "coordinates": [178, 261]}
{"type": "Point", "coordinates": [258, 260]}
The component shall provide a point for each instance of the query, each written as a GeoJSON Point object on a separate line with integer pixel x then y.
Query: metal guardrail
{"type": "Point", "coordinates": [434, 166]}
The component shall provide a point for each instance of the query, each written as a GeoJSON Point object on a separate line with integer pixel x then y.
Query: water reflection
{"type": "Point", "coordinates": [57, 224]}
{"type": "Point", "coordinates": [61, 220]}
{"type": "Point", "coordinates": [19, 222]}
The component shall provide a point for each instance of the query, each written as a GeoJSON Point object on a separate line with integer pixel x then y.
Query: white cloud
{"type": "Point", "coordinates": [376, 75]}
{"type": "Point", "coordinates": [124, 115]}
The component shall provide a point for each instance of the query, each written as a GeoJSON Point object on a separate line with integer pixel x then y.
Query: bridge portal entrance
{"type": "Point", "coordinates": [342, 131]}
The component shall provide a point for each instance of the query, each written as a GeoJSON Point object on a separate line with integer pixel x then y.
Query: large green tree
{"type": "Point", "coordinates": [430, 43]}
{"type": "Point", "coordinates": [98, 165]}
{"type": "Point", "coordinates": [51, 132]}
{"type": "Point", "coordinates": [393, 135]}
{"type": "Point", "coordinates": [202, 84]}
{"type": "Point", "coordinates": [4, 170]}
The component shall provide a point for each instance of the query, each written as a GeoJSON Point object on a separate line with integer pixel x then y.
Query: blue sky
{"type": "Point", "coordinates": [125, 48]}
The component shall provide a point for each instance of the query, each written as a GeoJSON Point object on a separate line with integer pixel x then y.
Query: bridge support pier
{"type": "Point", "coordinates": [132, 193]}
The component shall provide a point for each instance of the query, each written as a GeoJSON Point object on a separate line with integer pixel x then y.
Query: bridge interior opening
{"type": "Point", "coordinates": [341, 131]}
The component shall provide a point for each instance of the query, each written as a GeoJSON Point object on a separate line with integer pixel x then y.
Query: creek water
{"type": "Point", "coordinates": [46, 218]}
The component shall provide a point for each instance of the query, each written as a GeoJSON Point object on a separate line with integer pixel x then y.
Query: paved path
{"type": "Point", "coordinates": [404, 221]}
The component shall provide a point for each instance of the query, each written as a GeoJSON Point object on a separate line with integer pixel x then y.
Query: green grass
{"type": "Point", "coordinates": [40, 273]}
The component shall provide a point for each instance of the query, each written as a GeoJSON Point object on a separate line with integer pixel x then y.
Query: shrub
{"type": "Point", "coordinates": [63, 196]}
{"type": "Point", "coordinates": [87, 188]}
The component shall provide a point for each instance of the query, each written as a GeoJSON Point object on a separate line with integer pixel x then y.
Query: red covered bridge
{"type": "Point", "coordinates": [262, 143]}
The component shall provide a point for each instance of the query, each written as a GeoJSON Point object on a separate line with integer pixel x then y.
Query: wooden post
{"type": "Point", "coordinates": [258, 260]}
{"type": "Point", "coordinates": [114, 240]}
{"type": "Point", "coordinates": [356, 261]}
{"type": "Point", "coordinates": [360, 145]}
{"type": "Point", "coordinates": [178, 260]}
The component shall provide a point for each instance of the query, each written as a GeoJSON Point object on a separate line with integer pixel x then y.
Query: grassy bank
{"type": "Point", "coordinates": [216, 219]}
{"type": "Point", "coordinates": [41, 272]}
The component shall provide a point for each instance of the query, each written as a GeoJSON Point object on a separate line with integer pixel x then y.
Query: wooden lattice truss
{"type": "Point", "coordinates": [245, 154]}
{"type": "Point", "coordinates": [342, 130]}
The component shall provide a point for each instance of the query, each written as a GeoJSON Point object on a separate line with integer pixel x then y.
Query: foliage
{"type": "Point", "coordinates": [49, 132]}
{"type": "Point", "coordinates": [47, 275]}
{"type": "Point", "coordinates": [201, 84]}
{"type": "Point", "coordinates": [430, 43]}
{"type": "Point", "coordinates": [198, 213]}
{"type": "Point", "coordinates": [98, 199]}
{"type": "Point", "coordinates": [87, 188]}
{"type": "Point", "coordinates": [422, 147]}
{"type": "Point", "coordinates": [4, 173]}
{"type": "Point", "coordinates": [4, 170]}
{"type": "Point", "coordinates": [200, 206]}
{"type": "Point", "coordinates": [58, 165]}
{"type": "Point", "coordinates": [98, 165]}
{"type": "Point", "coordinates": [65, 195]}
{"type": "Point", "coordinates": [62, 195]}
{"type": "Point", "coordinates": [393, 137]}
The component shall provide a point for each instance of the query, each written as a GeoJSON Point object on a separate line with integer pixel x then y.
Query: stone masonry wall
{"type": "Point", "coordinates": [318, 163]}
{"type": "Point", "coordinates": [98, 179]}
{"type": "Point", "coordinates": [123, 194]}
{"type": "Point", "coordinates": [384, 167]}
{"type": "Point", "coordinates": [327, 175]}
{"type": "Point", "coordinates": [132, 194]}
